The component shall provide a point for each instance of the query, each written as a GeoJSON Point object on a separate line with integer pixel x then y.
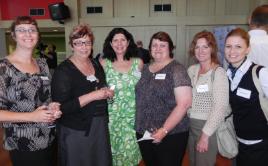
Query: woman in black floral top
{"type": "Point", "coordinates": [25, 100]}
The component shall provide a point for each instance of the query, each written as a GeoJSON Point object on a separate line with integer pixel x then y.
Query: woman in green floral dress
{"type": "Point", "coordinates": [123, 71]}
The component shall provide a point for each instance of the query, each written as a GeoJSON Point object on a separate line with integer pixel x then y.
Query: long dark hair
{"type": "Point", "coordinates": [108, 50]}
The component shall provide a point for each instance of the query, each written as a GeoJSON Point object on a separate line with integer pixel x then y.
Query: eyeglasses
{"type": "Point", "coordinates": [80, 43]}
{"type": "Point", "coordinates": [24, 31]}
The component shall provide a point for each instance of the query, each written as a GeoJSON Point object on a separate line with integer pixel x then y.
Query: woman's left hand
{"type": "Point", "coordinates": [202, 144]}
{"type": "Point", "coordinates": [158, 135]}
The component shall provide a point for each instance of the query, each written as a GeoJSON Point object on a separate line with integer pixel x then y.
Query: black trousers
{"type": "Point", "coordinates": [253, 155]}
{"type": "Point", "coordinates": [27, 158]}
{"type": "Point", "coordinates": [169, 152]}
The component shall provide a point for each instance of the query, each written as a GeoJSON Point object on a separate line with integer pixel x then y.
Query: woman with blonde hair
{"type": "Point", "coordinates": [248, 116]}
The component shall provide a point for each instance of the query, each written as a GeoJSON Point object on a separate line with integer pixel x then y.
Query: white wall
{"type": "Point", "coordinates": [186, 18]}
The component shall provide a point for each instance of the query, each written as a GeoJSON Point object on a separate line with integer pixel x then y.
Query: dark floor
{"type": "Point", "coordinates": [4, 157]}
{"type": "Point", "coordinates": [5, 161]}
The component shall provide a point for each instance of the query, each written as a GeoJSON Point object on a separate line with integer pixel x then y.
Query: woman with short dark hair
{"type": "Point", "coordinates": [163, 95]}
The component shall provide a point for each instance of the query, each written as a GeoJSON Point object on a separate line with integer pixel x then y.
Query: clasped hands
{"type": "Point", "coordinates": [47, 113]}
{"type": "Point", "coordinates": [104, 93]}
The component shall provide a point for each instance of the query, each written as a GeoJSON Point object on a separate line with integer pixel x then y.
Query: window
{"type": "Point", "coordinates": [157, 8]}
{"type": "Point", "coordinates": [162, 7]}
{"type": "Point", "coordinates": [167, 7]}
{"type": "Point", "coordinates": [94, 9]}
{"type": "Point", "coordinates": [37, 12]}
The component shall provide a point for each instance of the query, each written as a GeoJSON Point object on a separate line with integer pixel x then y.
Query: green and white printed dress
{"type": "Point", "coordinates": [125, 150]}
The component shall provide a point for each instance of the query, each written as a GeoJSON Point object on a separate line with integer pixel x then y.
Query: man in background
{"type": "Point", "coordinates": [258, 24]}
{"type": "Point", "coordinates": [51, 58]}
{"type": "Point", "coordinates": [143, 53]}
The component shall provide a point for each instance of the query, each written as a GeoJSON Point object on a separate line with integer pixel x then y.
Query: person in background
{"type": "Point", "coordinates": [143, 53]}
{"type": "Point", "coordinates": [26, 109]}
{"type": "Point", "coordinates": [51, 58]}
{"type": "Point", "coordinates": [258, 24]}
{"type": "Point", "coordinates": [122, 70]}
{"type": "Point", "coordinates": [163, 95]}
{"type": "Point", "coordinates": [98, 56]}
{"type": "Point", "coordinates": [210, 101]}
{"type": "Point", "coordinates": [79, 84]}
{"type": "Point", "coordinates": [249, 120]}
{"type": "Point", "coordinates": [41, 47]}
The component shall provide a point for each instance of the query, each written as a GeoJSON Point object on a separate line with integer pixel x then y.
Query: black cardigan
{"type": "Point", "coordinates": [68, 84]}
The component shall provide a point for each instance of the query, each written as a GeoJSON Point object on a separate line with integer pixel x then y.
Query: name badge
{"type": "Point", "coordinates": [202, 88]}
{"type": "Point", "coordinates": [44, 78]}
{"type": "Point", "coordinates": [112, 87]}
{"type": "Point", "coordinates": [160, 76]}
{"type": "Point", "coordinates": [243, 93]}
{"type": "Point", "coordinates": [91, 78]}
{"type": "Point", "coordinates": [137, 73]}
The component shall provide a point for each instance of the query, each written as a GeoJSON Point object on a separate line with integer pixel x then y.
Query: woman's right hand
{"type": "Point", "coordinates": [100, 94]}
{"type": "Point", "coordinates": [103, 93]}
{"type": "Point", "coordinates": [42, 114]}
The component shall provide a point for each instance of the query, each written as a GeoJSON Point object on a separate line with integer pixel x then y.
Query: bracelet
{"type": "Point", "coordinates": [165, 130]}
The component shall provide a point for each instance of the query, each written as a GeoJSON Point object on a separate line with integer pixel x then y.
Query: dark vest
{"type": "Point", "coordinates": [249, 120]}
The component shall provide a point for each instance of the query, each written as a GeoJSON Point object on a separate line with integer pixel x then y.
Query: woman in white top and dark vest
{"type": "Point", "coordinates": [249, 120]}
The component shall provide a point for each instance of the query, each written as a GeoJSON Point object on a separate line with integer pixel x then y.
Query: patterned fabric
{"type": "Point", "coordinates": [211, 104]}
{"type": "Point", "coordinates": [23, 92]}
{"type": "Point", "coordinates": [155, 98]}
{"type": "Point", "coordinates": [125, 150]}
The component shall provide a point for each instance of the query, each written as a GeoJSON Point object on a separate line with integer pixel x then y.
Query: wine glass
{"type": "Point", "coordinates": [110, 100]}
{"type": "Point", "coordinates": [49, 108]}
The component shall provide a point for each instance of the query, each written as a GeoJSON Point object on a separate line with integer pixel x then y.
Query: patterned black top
{"type": "Point", "coordinates": [155, 98]}
{"type": "Point", "coordinates": [24, 92]}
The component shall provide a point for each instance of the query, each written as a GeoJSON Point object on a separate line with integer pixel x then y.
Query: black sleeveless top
{"type": "Point", "coordinates": [249, 120]}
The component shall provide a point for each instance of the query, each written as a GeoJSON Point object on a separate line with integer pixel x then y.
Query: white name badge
{"type": "Point", "coordinates": [202, 88]}
{"type": "Point", "coordinates": [160, 76]}
{"type": "Point", "coordinates": [137, 73]}
{"type": "Point", "coordinates": [91, 78]}
{"type": "Point", "coordinates": [44, 78]}
{"type": "Point", "coordinates": [243, 93]}
{"type": "Point", "coordinates": [112, 87]}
